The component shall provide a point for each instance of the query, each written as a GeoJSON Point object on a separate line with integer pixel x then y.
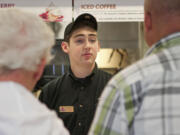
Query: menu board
{"type": "Point", "coordinates": [111, 10]}
{"type": "Point", "coordinates": [51, 10]}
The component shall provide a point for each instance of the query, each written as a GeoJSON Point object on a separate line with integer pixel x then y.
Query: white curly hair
{"type": "Point", "coordinates": [24, 40]}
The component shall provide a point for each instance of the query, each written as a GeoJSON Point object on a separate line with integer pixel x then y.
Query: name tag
{"type": "Point", "coordinates": [66, 108]}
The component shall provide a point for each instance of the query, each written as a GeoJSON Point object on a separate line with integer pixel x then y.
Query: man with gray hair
{"type": "Point", "coordinates": [144, 98]}
{"type": "Point", "coordinates": [25, 43]}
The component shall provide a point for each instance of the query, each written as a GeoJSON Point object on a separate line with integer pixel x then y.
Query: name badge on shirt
{"type": "Point", "coordinates": [66, 108]}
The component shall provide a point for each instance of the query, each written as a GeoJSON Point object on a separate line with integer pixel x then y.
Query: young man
{"type": "Point", "coordinates": [144, 98]}
{"type": "Point", "coordinates": [25, 43]}
{"type": "Point", "coordinates": [74, 95]}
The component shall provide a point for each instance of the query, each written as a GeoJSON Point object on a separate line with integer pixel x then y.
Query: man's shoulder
{"type": "Point", "coordinates": [140, 70]}
{"type": "Point", "coordinates": [104, 73]}
{"type": "Point", "coordinates": [51, 89]}
{"type": "Point", "coordinates": [53, 83]}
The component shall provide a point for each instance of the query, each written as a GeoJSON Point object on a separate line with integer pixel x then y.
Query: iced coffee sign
{"type": "Point", "coordinates": [111, 10]}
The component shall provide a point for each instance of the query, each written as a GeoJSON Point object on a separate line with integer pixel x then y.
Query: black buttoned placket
{"type": "Point", "coordinates": [82, 107]}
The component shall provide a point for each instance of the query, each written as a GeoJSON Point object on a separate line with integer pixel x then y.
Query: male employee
{"type": "Point", "coordinates": [74, 95]}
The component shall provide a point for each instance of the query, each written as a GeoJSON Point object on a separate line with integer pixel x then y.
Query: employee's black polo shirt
{"type": "Point", "coordinates": [75, 99]}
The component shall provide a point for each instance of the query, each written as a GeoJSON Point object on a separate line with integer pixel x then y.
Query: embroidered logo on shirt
{"type": "Point", "coordinates": [66, 108]}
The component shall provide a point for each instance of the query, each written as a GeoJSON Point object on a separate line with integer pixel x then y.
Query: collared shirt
{"type": "Point", "coordinates": [144, 99]}
{"type": "Point", "coordinates": [75, 99]}
{"type": "Point", "coordinates": [22, 114]}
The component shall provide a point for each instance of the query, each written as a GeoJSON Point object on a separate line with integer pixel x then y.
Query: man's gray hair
{"type": "Point", "coordinates": [24, 40]}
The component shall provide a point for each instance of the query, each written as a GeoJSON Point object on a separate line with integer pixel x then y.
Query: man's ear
{"type": "Point", "coordinates": [65, 46]}
{"type": "Point", "coordinates": [147, 21]}
{"type": "Point", "coordinates": [99, 46]}
{"type": "Point", "coordinates": [40, 69]}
